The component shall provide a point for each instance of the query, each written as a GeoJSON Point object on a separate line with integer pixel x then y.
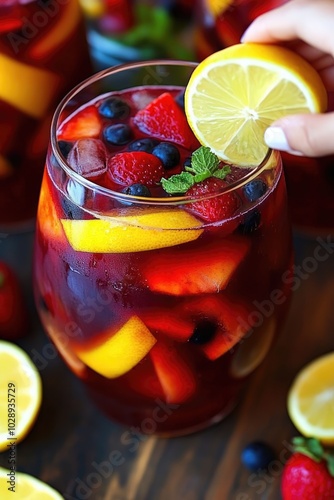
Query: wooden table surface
{"type": "Point", "coordinates": [72, 444]}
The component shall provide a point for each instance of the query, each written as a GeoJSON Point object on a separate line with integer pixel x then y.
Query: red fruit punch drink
{"type": "Point", "coordinates": [162, 304]}
{"type": "Point", "coordinates": [310, 181]}
{"type": "Point", "coordinates": [43, 54]}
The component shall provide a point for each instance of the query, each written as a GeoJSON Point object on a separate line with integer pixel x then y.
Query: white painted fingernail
{"type": "Point", "coordinates": [275, 138]}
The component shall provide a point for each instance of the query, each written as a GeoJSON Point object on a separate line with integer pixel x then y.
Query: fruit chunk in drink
{"type": "Point", "coordinates": [158, 302]}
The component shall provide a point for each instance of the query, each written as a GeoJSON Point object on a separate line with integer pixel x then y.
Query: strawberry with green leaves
{"type": "Point", "coordinates": [13, 312]}
{"type": "Point", "coordinates": [309, 472]}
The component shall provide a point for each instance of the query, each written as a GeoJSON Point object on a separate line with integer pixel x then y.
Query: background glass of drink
{"type": "Point", "coordinates": [43, 54]}
{"type": "Point", "coordinates": [162, 314]}
{"type": "Point", "coordinates": [310, 181]}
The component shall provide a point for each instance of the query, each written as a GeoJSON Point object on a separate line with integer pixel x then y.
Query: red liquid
{"type": "Point", "coordinates": [43, 54]}
{"type": "Point", "coordinates": [310, 181]}
{"type": "Point", "coordinates": [211, 328]}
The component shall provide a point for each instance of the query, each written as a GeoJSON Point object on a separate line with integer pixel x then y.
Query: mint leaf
{"type": "Point", "coordinates": [203, 161]}
{"type": "Point", "coordinates": [178, 184]}
{"type": "Point", "coordinates": [330, 464]}
{"type": "Point", "coordinates": [204, 164]}
{"type": "Point", "coordinates": [221, 173]}
{"type": "Point", "coordinates": [315, 447]}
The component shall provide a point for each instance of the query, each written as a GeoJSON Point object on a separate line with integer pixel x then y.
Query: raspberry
{"type": "Point", "coordinates": [213, 209]}
{"type": "Point", "coordinates": [135, 167]}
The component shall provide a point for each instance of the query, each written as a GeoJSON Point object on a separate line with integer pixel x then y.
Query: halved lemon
{"type": "Point", "coordinates": [20, 394]}
{"type": "Point", "coordinates": [311, 399]}
{"type": "Point", "coordinates": [25, 487]}
{"type": "Point", "coordinates": [235, 94]}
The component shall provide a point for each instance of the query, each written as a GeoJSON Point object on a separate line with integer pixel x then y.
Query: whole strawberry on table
{"type": "Point", "coordinates": [309, 472]}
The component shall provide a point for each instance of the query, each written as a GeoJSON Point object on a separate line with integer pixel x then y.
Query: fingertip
{"type": "Point", "coordinates": [275, 138]}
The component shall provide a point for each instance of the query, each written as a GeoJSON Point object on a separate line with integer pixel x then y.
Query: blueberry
{"type": "Point", "coordinates": [114, 108]}
{"type": "Point", "coordinates": [257, 455]}
{"type": "Point", "coordinates": [137, 190]}
{"type": "Point", "coordinates": [118, 134]}
{"type": "Point", "coordinates": [250, 223]}
{"type": "Point", "coordinates": [204, 332]}
{"type": "Point", "coordinates": [179, 99]}
{"type": "Point", "coordinates": [255, 189]}
{"type": "Point", "coordinates": [147, 144]}
{"type": "Point", "coordinates": [65, 147]}
{"type": "Point", "coordinates": [168, 154]}
{"type": "Point", "coordinates": [187, 162]}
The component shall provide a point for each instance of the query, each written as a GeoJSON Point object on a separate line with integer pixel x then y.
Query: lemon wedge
{"type": "Point", "coordinates": [148, 230]}
{"type": "Point", "coordinates": [21, 394]}
{"type": "Point", "coordinates": [235, 94]}
{"type": "Point", "coordinates": [311, 399]}
{"type": "Point", "coordinates": [121, 351]}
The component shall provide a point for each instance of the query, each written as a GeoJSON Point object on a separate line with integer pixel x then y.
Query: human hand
{"type": "Point", "coordinates": [307, 27]}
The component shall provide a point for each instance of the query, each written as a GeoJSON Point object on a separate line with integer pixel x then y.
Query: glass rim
{"type": "Point", "coordinates": [148, 201]}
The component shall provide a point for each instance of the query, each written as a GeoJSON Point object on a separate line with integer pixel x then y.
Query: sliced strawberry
{"type": "Point", "coordinates": [217, 208]}
{"type": "Point", "coordinates": [167, 323]}
{"type": "Point", "coordinates": [219, 323]}
{"type": "Point", "coordinates": [85, 123]}
{"type": "Point", "coordinates": [185, 272]}
{"type": "Point", "coordinates": [135, 167]}
{"type": "Point", "coordinates": [176, 377]}
{"type": "Point", "coordinates": [164, 119]}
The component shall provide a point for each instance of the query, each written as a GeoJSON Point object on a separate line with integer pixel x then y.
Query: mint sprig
{"type": "Point", "coordinates": [311, 447]}
{"type": "Point", "coordinates": [204, 164]}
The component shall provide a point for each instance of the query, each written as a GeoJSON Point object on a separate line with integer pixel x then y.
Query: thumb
{"type": "Point", "coordinates": [303, 135]}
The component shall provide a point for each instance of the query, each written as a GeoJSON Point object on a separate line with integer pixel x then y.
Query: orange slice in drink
{"type": "Point", "coordinates": [235, 94]}
{"type": "Point", "coordinates": [59, 32]}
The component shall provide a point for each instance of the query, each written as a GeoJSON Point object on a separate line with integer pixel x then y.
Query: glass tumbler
{"type": "Point", "coordinates": [162, 314]}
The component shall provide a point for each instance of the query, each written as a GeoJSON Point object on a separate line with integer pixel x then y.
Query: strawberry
{"type": "Point", "coordinates": [135, 167]}
{"type": "Point", "coordinates": [217, 208]}
{"type": "Point", "coordinates": [85, 123]}
{"type": "Point", "coordinates": [309, 472]}
{"type": "Point", "coordinates": [164, 119]}
{"type": "Point", "coordinates": [13, 311]}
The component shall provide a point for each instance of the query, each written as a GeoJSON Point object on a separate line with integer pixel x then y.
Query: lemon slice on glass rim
{"type": "Point", "coordinates": [235, 94]}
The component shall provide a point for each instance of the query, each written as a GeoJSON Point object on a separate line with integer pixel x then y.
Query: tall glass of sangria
{"type": "Point", "coordinates": [310, 181]}
{"type": "Point", "coordinates": [162, 302]}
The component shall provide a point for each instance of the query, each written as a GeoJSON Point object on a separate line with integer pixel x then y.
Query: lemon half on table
{"type": "Point", "coordinates": [235, 94]}
{"type": "Point", "coordinates": [311, 399]}
{"type": "Point", "coordinates": [21, 394]}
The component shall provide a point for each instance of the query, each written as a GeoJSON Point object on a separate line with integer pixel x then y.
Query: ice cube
{"type": "Point", "coordinates": [141, 99]}
{"type": "Point", "coordinates": [88, 157]}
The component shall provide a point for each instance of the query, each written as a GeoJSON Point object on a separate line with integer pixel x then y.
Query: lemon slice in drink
{"type": "Point", "coordinates": [311, 400]}
{"type": "Point", "coordinates": [21, 394]}
{"type": "Point", "coordinates": [217, 7]}
{"type": "Point", "coordinates": [26, 487]}
{"type": "Point", "coordinates": [235, 94]}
